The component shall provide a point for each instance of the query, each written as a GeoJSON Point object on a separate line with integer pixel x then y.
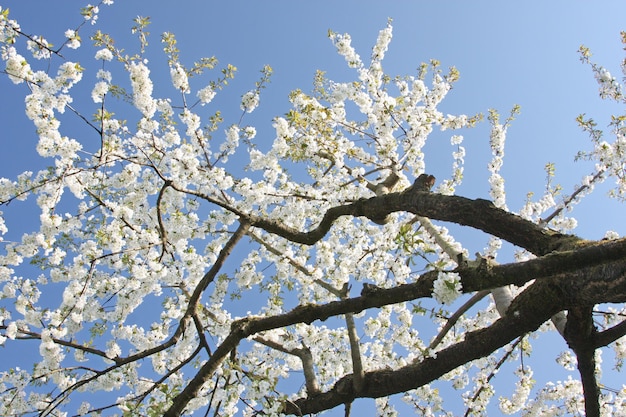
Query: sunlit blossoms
{"type": "Point", "coordinates": [39, 47]}
{"type": "Point", "coordinates": [72, 38]}
{"type": "Point", "coordinates": [343, 43]}
{"type": "Point", "coordinates": [8, 28]}
{"type": "Point", "coordinates": [250, 101]}
{"type": "Point", "coordinates": [206, 94]}
{"type": "Point", "coordinates": [179, 78]}
{"type": "Point", "coordinates": [90, 12]}
{"type": "Point", "coordinates": [16, 66]}
{"type": "Point", "coordinates": [608, 85]}
{"type": "Point", "coordinates": [382, 43]}
{"type": "Point", "coordinates": [178, 249]}
{"type": "Point", "coordinates": [447, 287]}
{"type": "Point", "coordinates": [142, 88]}
{"type": "Point", "coordinates": [232, 140]}
{"type": "Point", "coordinates": [104, 54]}
{"type": "Point", "coordinates": [101, 87]}
{"type": "Point", "coordinates": [522, 391]}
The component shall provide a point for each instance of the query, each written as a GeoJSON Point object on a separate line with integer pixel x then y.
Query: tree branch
{"type": "Point", "coordinates": [580, 334]}
{"type": "Point", "coordinates": [355, 348]}
{"type": "Point", "coordinates": [455, 317]}
{"type": "Point", "coordinates": [528, 311]}
{"type": "Point", "coordinates": [531, 311]}
{"type": "Point", "coordinates": [479, 214]}
{"type": "Point", "coordinates": [610, 335]}
{"type": "Point", "coordinates": [304, 354]}
{"type": "Point", "coordinates": [487, 275]}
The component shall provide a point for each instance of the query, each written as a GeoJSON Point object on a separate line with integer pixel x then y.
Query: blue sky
{"type": "Point", "coordinates": [507, 53]}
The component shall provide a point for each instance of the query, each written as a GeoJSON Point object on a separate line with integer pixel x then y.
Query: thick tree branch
{"type": "Point", "coordinates": [479, 214]}
{"type": "Point", "coordinates": [528, 311]}
{"type": "Point", "coordinates": [488, 276]}
{"type": "Point", "coordinates": [533, 307]}
{"type": "Point", "coordinates": [580, 334]}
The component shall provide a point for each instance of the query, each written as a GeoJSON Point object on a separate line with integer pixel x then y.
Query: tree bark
{"type": "Point", "coordinates": [569, 272]}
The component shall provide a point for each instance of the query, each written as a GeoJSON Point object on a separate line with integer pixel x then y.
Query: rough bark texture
{"type": "Point", "coordinates": [580, 334]}
{"type": "Point", "coordinates": [527, 312]}
{"type": "Point", "coordinates": [570, 274]}
{"type": "Point", "coordinates": [478, 214]}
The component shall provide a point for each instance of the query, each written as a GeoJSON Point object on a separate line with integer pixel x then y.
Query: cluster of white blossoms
{"type": "Point", "coordinates": [179, 78]}
{"type": "Point", "coordinates": [8, 29]}
{"type": "Point", "coordinates": [142, 88]}
{"type": "Point", "coordinates": [206, 94]}
{"type": "Point", "coordinates": [448, 186]}
{"type": "Point", "coordinates": [343, 43]}
{"type": "Point", "coordinates": [16, 66]}
{"type": "Point", "coordinates": [104, 54]}
{"type": "Point", "coordinates": [609, 156]}
{"type": "Point", "coordinates": [250, 101]}
{"type": "Point", "coordinates": [231, 143]}
{"type": "Point", "coordinates": [382, 44]}
{"type": "Point", "coordinates": [533, 210]}
{"type": "Point", "coordinates": [90, 12]}
{"type": "Point", "coordinates": [608, 85]}
{"type": "Point", "coordinates": [522, 391]}
{"type": "Point", "coordinates": [497, 139]}
{"type": "Point", "coordinates": [73, 40]}
{"type": "Point", "coordinates": [39, 47]}
{"type": "Point", "coordinates": [101, 87]}
{"type": "Point", "coordinates": [447, 287]}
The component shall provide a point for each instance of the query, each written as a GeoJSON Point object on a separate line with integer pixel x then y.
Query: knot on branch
{"type": "Point", "coordinates": [371, 210]}
{"type": "Point", "coordinates": [345, 386]}
{"type": "Point", "coordinates": [487, 203]}
{"type": "Point", "coordinates": [241, 327]}
{"type": "Point", "coordinates": [423, 182]}
{"type": "Point", "coordinates": [369, 290]}
{"type": "Point", "coordinates": [485, 263]}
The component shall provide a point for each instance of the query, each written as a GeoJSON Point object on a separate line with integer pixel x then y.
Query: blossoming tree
{"type": "Point", "coordinates": [162, 278]}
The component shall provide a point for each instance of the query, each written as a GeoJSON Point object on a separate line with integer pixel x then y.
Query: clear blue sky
{"type": "Point", "coordinates": [507, 53]}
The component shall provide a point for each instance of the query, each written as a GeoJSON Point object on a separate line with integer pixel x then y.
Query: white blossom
{"type": "Point", "coordinates": [142, 88]}
{"type": "Point", "coordinates": [249, 132]}
{"type": "Point", "coordinates": [73, 39]}
{"type": "Point", "coordinates": [250, 101]}
{"type": "Point", "coordinates": [382, 43]}
{"type": "Point", "coordinates": [206, 94]}
{"type": "Point", "coordinates": [343, 43]}
{"type": "Point", "coordinates": [99, 91]}
{"type": "Point", "coordinates": [16, 67]}
{"type": "Point", "coordinates": [179, 78]}
{"type": "Point", "coordinates": [104, 54]}
{"type": "Point", "coordinates": [447, 287]}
